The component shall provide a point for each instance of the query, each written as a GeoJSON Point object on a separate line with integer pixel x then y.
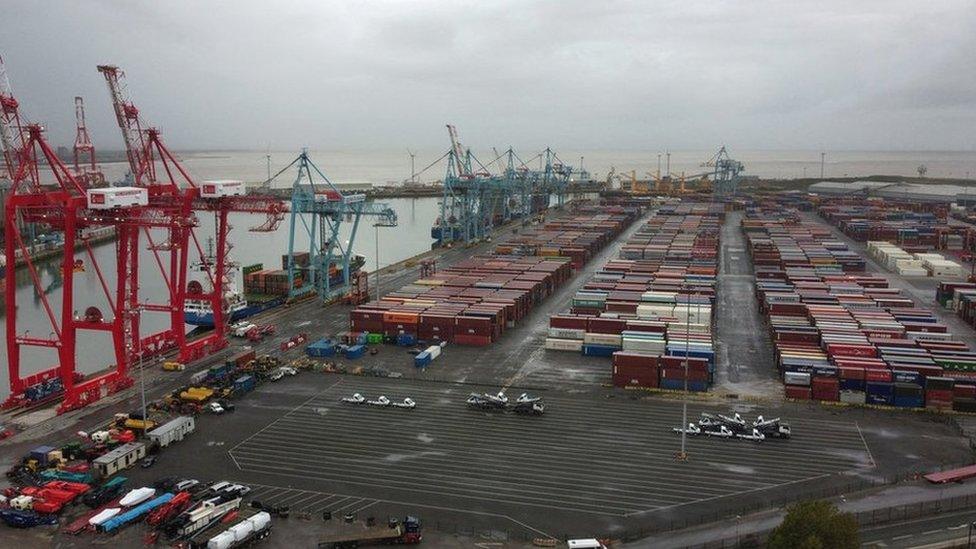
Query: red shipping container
{"type": "Point", "coordinates": [473, 340]}
{"type": "Point", "coordinates": [850, 372]}
{"type": "Point", "coordinates": [679, 373]}
{"type": "Point", "coordinates": [964, 390]}
{"type": "Point", "coordinates": [634, 359]}
{"type": "Point", "coordinates": [797, 392]}
{"type": "Point", "coordinates": [635, 377]}
{"type": "Point", "coordinates": [606, 325]}
{"type": "Point", "coordinates": [877, 375]}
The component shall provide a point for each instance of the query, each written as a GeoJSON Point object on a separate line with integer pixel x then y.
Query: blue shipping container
{"type": "Point", "coordinates": [679, 385]}
{"type": "Point", "coordinates": [902, 376]}
{"type": "Point", "coordinates": [599, 350]}
{"type": "Point", "coordinates": [879, 392]}
{"type": "Point", "coordinates": [406, 340]}
{"type": "Point", "coordinates": [825, 371]}
{"type": "Point", "coordinates": [321, 348]}
{"type": "Point", "coordinates": [852, 385]}
{"type": "Point", "coordinates": [244, 384]}
{"type": "Point", "coordinates": [421, 360]}
{"type": "Point", "coordinates": [355, 352]}
{"type": "Point", "coordinates": [909, 401]}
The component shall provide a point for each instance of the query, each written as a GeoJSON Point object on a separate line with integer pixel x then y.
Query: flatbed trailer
{"type": "Point", "coordinates": [343, 535]}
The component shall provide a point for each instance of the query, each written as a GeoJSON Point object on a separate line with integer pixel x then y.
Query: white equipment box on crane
{"type": "Point", "coordinates": [222, 187]}
{"type": "Point", "coordinates": [117, 197]}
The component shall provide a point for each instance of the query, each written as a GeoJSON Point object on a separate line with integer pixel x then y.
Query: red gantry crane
{"type": "Point", "coordinates": [68, 205]}
{"type": "Point", "coordinates": [84, 148]}
{"type": "Point", "coordinates": [161, 200]}
{"type": "Point", "coordinates": [155, 167]}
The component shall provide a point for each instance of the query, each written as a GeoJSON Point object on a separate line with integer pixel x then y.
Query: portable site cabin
{"type": "Point", "coordinates": [120, 458]}
{"type": "Point", "coordinates": [172, 431]}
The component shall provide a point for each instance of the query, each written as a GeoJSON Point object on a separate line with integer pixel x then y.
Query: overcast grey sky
{"type": "Point", "coordinates": [840, 74]}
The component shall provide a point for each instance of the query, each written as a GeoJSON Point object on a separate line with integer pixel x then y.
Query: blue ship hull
{"type": "Point", "coordinates": [206, 319]}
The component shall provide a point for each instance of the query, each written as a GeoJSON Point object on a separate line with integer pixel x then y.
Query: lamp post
{"type": "Point", "coordinates": [683, 454]}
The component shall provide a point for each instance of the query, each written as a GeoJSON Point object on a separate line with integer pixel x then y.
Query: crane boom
{"type": "Point", "coordinates": [463, 168]}
{"type": "Point", "coordinates": [13, 138]}
{"type": "Point", "coordinates": [83, 143]}
{"type": "Point", "coordinates": [127, 116]}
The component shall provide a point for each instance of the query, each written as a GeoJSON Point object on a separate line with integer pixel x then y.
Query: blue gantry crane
{"type": "Point", "coordinates": [466, 214]}
{"type": "Point", "coordinates": [725, 173]}
{"type": "Point", "coordinates": [475, 200]}
{"type": "Point", "coordinates": [318, 209]}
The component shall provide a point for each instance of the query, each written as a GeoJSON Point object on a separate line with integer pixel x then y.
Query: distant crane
{"type": "Point", "coordinates": [84, 147]}
{"type": "Point", "coordinates": [725, 173]}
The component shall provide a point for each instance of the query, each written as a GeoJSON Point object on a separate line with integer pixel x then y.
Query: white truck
{"type": "Point", "coordinates": [107, 198]}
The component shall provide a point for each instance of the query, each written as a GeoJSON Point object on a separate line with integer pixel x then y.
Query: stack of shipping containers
{"type": "Point", "coordinates": [915, 226]}
{"type": "Point", "coordinates": [651, 308]}
{"type": "Point", "coordinates": [475, 300]}
{"type": "Point", "coordinates": [843, 335]}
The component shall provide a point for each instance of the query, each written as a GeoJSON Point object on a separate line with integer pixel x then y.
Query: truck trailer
{"type": "Point", "coordinates": [172, 431]}
{"type": "Point", "coordinates": [351, 534]}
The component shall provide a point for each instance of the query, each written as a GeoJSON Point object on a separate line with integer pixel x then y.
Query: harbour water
{"type": "Point", "coordinates": [412, 236]}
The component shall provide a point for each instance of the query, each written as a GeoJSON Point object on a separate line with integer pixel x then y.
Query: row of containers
{"type": "Point", "coordinates": [888, 220]}
{"type": "Point", "coordinates": [843, 335]}
{"type": "Point", "coordinates": [894, 258]}
{"type": "Point", "coordinates": [473, 301]}
{"type": "Point", "coordinates": [651, 309]}
{"type": "Point", "coordinates": [917, 227]}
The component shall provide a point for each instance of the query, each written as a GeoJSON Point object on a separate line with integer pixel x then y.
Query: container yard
{"type": "Point", "coordinates": [651, 308]}
{"type": "Point", "coordinates": [292, 441]}
{"type": "Point", "coordinates": [612, 360]}
{"type": "Point", "coordinates": [474, 301]}
{"type": "Point", "coordinates": [842, 334]}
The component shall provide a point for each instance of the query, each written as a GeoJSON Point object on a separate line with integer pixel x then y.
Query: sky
{"type": "Point", "coordinates": [608, 75]}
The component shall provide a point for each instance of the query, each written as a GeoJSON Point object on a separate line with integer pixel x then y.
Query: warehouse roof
{"type": "Point", "coordinates": [901, 189]}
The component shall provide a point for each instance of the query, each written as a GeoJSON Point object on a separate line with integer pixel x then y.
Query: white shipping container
{"type": "Point", "coordinates": [796, 378]}
{"type": "Point", "coordinates": [601, 339]}
{"type": "Point", "coordinates": [852, 397]}
{"type": "Point", "coordinates": [222, 187]}
{"type": "Point", "coordinates": [554, 344]}
{"type": "Point", "coordinates": [566, 333]}
{"type": "Point", "coordinates": [117, 197]}
{"type": "Point", "coordinates": [630, 344]}
{"type": "Point", "coordinates": [435, 351]}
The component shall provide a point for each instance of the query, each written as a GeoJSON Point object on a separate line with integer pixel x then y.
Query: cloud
{"type": "Point", "coordinates": [576, 74]}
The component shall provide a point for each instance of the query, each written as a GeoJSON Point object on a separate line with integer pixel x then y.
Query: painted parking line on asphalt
{"type": "Point", "coordinates": [556, 461]}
